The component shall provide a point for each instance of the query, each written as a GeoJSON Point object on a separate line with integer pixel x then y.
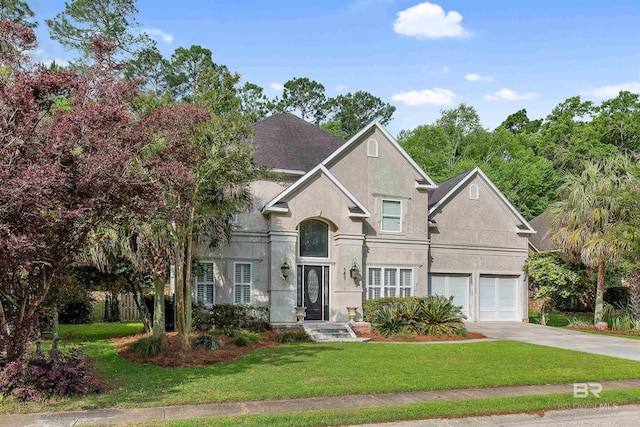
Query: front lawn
{"type": "Point", "coordinates": [559, 319]}
{"type": "Point", "coordinates": [322, 369]}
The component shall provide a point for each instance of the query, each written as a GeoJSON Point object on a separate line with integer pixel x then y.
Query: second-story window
{"type": "Point", "coordinates": [392, 215]}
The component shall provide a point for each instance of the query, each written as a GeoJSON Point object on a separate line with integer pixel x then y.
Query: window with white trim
{"type": "Point", "coordinates": [392, 215]}
{"type": "Point", "coordinates": [372, 148]}
{"type": "Point", "coordinates": [474, 192]}
{"type": "Point", "coordinates": [313, 239]}
{"type": "Point", "coordinates": [389, 282]}
{"type": "Point", "coordinates": [205, 284]}
{"type": "Point", "coordinates": [242, 283]}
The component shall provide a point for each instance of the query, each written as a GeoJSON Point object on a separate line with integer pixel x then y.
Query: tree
{"type": "Point", "coordinates": [356, 110]}
{"type": "Point", "coordinates": [71, 147]}
{"type": "Point", "coordinates": [617, 120]}
{"type": "Point", "coordinates": [187, 69]}
{"type": "Point", "coordinates": [305, 97]}
{"type": "Point", "coordinates": [254, 104]}
{"type": "Point", "coordinates": [17, 11]}
{"type": "Point", "coordinates": [457, 124]}
{"type": "Point", "coordinates": [519, 122]}
{"type": "Point", "coordinates": [151, 69]}
{"type": "Point", "coordinates": [585, 216]}
{"type": "Point", "coordinates": [82, 20]}
{"type": "Point", "coordinates": [555, 281]}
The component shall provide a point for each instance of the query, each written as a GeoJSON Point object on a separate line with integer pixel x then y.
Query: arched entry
{"type": "Point", "coordinates": [313, 269]}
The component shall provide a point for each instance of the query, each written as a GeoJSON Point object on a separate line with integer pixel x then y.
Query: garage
{"type": "Point", "coordinates": [456, 285]}
{"type": "Point", "coordinates": [498, 298]}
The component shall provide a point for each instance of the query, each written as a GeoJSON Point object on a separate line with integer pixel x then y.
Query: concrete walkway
{"type": "Point", "coordinates": [136, 415]}
{"type": "Point", "coordinates": [625, 348]}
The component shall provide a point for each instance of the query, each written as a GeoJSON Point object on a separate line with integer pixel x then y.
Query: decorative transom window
{"type": "Point", "coordinates": [205, 283]}
{"type": "Point", "coordinates": [372, 148]}
{"type": "Point", "coordinates": [389, 282]}
{"type": "Point", "coordinates": [474, 192]}
{"type": "Point", "coordinates": [392, 215]}
{"type": "Point", "coordinates": [313, 239]}
{"type": "Point", "coordinates": [242, 283]}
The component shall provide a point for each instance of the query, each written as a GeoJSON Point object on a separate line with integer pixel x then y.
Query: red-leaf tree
{"type": "Point", "coordinates": [70, 159]}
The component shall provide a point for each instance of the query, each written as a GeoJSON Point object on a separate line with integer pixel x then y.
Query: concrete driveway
{"type": "Point", "coordinates": [625, 348]}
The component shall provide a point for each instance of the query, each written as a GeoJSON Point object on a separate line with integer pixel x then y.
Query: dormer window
{"type": "Point", "coordinates": [372, 148]}
{"type": "Point", "coordinates": [474, 193]}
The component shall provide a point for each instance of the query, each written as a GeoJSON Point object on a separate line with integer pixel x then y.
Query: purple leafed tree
{"type": "Point", "coordinates": [71, 157]}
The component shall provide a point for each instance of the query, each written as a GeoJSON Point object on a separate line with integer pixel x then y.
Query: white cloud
{"type": "Point", "coordinates": [477, 78]}
{"type": "Point", "coordinates": [340, 88]}
{"type": "Point", "coordinates": [509, 95]}
{"type": "Point", "coordinates": [429, 21]}
{"type": "Point", "coordinates": [436, 96]}
{"type": "Point", "coordinates": [611, 91]}
{"type": "Point", "coordinates": [446, 69]}
{"type": "Point", "coordinates": [276, 86]}
{"type": "Point", "coordinates": [159, 34]}
{"type": "Point", "coordinates": [45, 59]}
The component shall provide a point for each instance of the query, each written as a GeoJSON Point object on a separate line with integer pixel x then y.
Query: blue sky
{"type": "Point", "coordinates": [498, 56]}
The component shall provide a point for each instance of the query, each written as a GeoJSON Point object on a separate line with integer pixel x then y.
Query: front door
{"type": "Point", "coordinates": [313, 291]}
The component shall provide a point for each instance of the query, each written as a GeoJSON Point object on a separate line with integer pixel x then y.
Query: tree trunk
{"type": "Point", "coordinates": [158, 308]}
{"type": "Point", "coordinates": [599, 305]}
{"type": "Point", "coordinates": [634, 292]}
{"type": "Point", "coordinates": [55, 328]}
{"type": "Point", "coordinates": [142, 307]}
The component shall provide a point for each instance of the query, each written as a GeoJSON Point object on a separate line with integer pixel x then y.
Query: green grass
{"type": "Point", "coordinates": [98, 331]}
{"type": "Point", "coordinates": [324, 369]}
{"type": "Point", "coordinates": [415, 411]}
{"type": "Point", "coordinates": [559, 319]}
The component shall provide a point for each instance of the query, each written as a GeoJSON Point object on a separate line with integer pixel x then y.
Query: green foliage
{"type": "Point", "coordinates": [433, 315]}
{"type": "Point", "coordinates": [370, 306]}
{"type": "Point", "coordinates": [234, 316]}
{"type": "Point", "coordinates": [17, 11]}
{"type": "Point", "coordinates": [293, 336]}
{"type": "Point", "coordinates": [83, 19]}
{"type": "Point", "coordinates": [244, 338]}
{"type": "Point", "coordinates": [305, 97]}
{"type": "Point", "coordinates": [208, 342]}
{"type": "Point", "coordinates": [356, 110]}
{"type": "Point", "coordinates": [617, 296]}
{"type": "Point", "coordinates": [556, 281]}
{"type": "Point", "coordinates": [147, 347]}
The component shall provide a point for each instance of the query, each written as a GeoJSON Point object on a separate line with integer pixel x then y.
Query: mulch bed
{"type": "Point", "coordinates": [173, 356]}
{"type": "Point", "coordinates": [377, 336]}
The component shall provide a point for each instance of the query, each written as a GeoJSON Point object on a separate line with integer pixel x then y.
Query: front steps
{"type": "Point", "coordinates": [331, 332]}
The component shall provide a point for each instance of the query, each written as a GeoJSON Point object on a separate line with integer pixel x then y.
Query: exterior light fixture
{"type": "Point", "coordinates": [285, 269]}
{"type": "Point", "coordinates": [354, 272]}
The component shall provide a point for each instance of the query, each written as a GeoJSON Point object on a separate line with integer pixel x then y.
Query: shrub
{"type": "Point", "coordinates": [293, 336]}
{"type": "Point", "coordinates": [208, 342]}
{"type": "Point", "coordinates": [220, 316]}
{"type": "Point", "coordinates": [370, 306]}
{"type": "Point", "coordinates": [77, 310]}
{"type": "Point", "coordinates": [147, 347]}
{"type": "Point", "coordinates": [617, 296]}
{"type": "Point", "coordinates": [434, 315]}
{"type": "Point", "coordinates": [244, 338]}
{"type": "Point", "coordinates": [35, 376]}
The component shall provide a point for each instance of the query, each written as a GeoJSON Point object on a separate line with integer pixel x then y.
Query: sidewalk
{"type": "Point", "coordinates": [134, 415]}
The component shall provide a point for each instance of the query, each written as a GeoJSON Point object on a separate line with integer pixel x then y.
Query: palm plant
{"type": "Point", "coordinates": [586, 213]}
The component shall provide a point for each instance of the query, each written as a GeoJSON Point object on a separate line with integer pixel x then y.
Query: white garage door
{"type": "Point", "coordinates": [498, 298]}
{"type": "Point", "coordinates": [456, 285]}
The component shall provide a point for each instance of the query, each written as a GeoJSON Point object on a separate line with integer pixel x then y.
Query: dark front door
{"type": "Point", "coordinates": [313, 291]}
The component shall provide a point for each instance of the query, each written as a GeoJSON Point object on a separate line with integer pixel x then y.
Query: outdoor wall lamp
{"type": "Point", "coordinates": [285, 269]}
{"type": "Point", "coordinates": [354, 272]}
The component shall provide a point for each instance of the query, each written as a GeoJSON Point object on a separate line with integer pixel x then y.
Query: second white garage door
{"type": "Point", "coordinates": [498, 298]}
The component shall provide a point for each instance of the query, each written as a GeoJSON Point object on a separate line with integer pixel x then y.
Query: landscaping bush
{"type": "Point", "coordinates": [433, 315]}
{"type": "Point", "coordinates": [244, 338]}
{"type": "Point", "coordinates": [220, 316]}
{"type": "Point", "coordinates": [147, 347]}
{"type": "Point", "coordinates": [617, 296]}
{"type": "Point", "coordinates": [78, 309]}
{"type": "Point", "coordinates": [208, 342]}
{"type": "Point", "coordinates": [293, 336]}
{"type": "Point", "coordinates": [35, 376]}
{"type": "Point", "coordinates": [370, 306]}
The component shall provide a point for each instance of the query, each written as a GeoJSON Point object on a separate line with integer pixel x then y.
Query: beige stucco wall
{"type": "Point", "coordinates": [478, 237]}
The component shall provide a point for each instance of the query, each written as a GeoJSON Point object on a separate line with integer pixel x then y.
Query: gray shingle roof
{"type": "Point", "coordinates": [284, 141]}
{"type": "Point", "coordinates": [542, 239]}
{"type": "Point", "coordinates": [445, 186]}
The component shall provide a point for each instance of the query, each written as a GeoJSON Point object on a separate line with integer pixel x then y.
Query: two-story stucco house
{"type": "Point", "coordinates": [353, 220]}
